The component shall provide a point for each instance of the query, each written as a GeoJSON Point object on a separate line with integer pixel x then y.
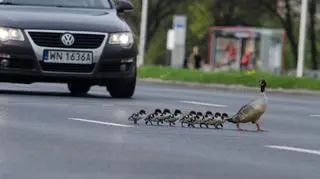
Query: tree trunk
{"type": "Point", "coordinates": [290, 32]}
{"type": "Point", "coordinates": [312, 31]}
{"type": "Point", "coordinates": [293, 44]}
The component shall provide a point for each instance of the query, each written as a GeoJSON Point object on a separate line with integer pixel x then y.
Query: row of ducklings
{"type": "Point", "coordinates": [191, 119]}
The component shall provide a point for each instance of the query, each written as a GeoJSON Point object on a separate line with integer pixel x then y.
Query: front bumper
{"type": "Point", "coordinates": [25, 64]}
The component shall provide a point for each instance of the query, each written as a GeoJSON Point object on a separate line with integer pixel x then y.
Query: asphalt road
{"type": "Point", "coordinates": [45, 133]}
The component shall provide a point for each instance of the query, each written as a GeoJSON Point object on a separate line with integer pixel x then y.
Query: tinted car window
{"type": "Point", "coordinates": [67, 3]}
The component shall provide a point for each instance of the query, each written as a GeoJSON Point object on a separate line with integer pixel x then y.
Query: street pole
{"type": "Point", "coordinates": [142, 36]}
{"type": "Point", "coordinates": [302, 37]}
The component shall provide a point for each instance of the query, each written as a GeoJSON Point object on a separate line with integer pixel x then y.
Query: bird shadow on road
{"type": "Point", "coordinates": [199, 128]}
{"type": "Point", "coordinates": [247, 131]}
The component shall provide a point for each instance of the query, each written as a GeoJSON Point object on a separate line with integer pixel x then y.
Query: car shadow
{"type": "Point", "coordinates": [52, 94]}
{"type": "Point", "coordinates": [62, 94]}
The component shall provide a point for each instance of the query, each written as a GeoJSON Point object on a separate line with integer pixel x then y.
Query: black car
{"type": "Point", "coordinates": [78, 42]}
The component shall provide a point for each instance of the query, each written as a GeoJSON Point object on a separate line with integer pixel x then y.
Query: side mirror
{"type": "Point", "coordinates": [124, 6]}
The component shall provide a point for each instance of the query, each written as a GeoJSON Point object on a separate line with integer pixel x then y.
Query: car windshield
{"type": "Point", "coordinates": [99, 4]}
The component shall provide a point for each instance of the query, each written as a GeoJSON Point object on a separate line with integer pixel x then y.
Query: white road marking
{"type": "Point", "coordinates": [100, 122]}
{"type": "Point", "coordinates": [315, 115]}
{"type": "Point", "coordinates": [315, 152]}
{"type": "Point", "coordinates": [204, 104]}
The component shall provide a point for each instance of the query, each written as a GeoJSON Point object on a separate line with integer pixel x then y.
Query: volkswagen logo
{"type": "Point", "coordinates": [67, 39]}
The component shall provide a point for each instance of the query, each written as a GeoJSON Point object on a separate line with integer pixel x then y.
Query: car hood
{"type": "Point", "coordinates": [56, 18]}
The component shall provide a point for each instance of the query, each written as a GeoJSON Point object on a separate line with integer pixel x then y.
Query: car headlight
{"type": "Point", "coordinates": [124, 39]}
{"type": "Point", "coordinates": [10, 34]}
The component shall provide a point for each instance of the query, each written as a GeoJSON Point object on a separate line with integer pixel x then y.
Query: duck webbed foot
{"type": "Point", "coordinates": [219, 126]}
{"type": "Point", "coordinates": [240, 129]}
{"type": "Point", "coordinates": [259, 128]}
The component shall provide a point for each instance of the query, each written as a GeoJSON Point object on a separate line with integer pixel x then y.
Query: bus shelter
{"type": "Point", "coordinates": [239, 48]}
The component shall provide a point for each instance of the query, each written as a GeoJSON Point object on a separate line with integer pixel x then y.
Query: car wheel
{"type": "Point", "coordinates": [78, 88]}
{"type": "Point", "coordinates": [122, 88]}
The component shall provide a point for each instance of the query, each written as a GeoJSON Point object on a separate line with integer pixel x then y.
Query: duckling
{"type": "Point", "coordinates": [224, 118]}
{"type": "Point", "coordinates": [149, 118]}
{"type": "Point", "coordinates": [193, 119]}
{"type": "Point", "coordinates": [214, 119]}
{"type": "Point", "coordinates": [157, 116]}
{"type": "Point", "coordinates": [187, 118]}
{"type": "Point", "coordinates": [207, 117]}
{"type": "Point", "coordinates": [164, 115]}
{"type": "Point", "coordinates": [217, 114]}
{"type": "Point", "coordinates": [135, 117]}
{"type": "Point", "coordinates": [153, 117]}
{"type": "Point", "coordinates": [221, 120]}
{"type": "Point", "coordinates": [199, 118]}
{"type": "Point", "coordinates": [252, 111]}
{"type": "Point", "coordinates": [217, 120]}
{"type": "Point", "coordinates": [177, 115]}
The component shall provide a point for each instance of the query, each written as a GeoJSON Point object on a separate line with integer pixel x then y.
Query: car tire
{"type": "Point", "coordinates": [78, 88]}
{"type": "Point", "coordinates": [122, 88]}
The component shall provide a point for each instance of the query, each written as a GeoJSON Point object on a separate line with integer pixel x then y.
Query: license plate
{"type": "Point", "coordinates": [68, 57]}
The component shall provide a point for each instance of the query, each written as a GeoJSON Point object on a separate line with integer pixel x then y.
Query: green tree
{"type": "Point", "coordinates": [158, 12]}
{"type": "Point", "coordinates": [205, 13]}
{"type": "Point", "coordinates": [287, 21]}
{"type": "Point", "coordinates": [237, 12]}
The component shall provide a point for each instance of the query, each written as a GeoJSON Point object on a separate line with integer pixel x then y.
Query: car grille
{"type": "Point", "coordinates": [66, 67]}
{"type": "Point", "coordinates": [53, 39]}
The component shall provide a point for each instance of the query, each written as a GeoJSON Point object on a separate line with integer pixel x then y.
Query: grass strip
{"type": "Point", "coordinates": [228, 77]}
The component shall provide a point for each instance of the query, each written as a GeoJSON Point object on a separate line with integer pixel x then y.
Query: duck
{"type": "Point", "coordinates": [153, 117]}
{"type": "Point", "coordinates": [207, 117]}
{"type": "Point", "coordinates": [252, 111]}
{"type": "Point", "coordinates": [135, 117]}
{"type": "Point", "coordinates": [177, 115]}
{"type": "Point", "coordinates": [187, 118]}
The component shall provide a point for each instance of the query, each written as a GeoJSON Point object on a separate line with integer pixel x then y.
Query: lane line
{"type": "Point", "coordinates": [100, 122]}
{"type": "Point", "coordinates": [204, 104]}
{"type": "Point", "coordinates": [309, 151]}
{"type": "Point", "coordinates": [315, 115]}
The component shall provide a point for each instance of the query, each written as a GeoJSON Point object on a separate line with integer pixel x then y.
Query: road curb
{"type": "Point", "coordinates": [222, 87]}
